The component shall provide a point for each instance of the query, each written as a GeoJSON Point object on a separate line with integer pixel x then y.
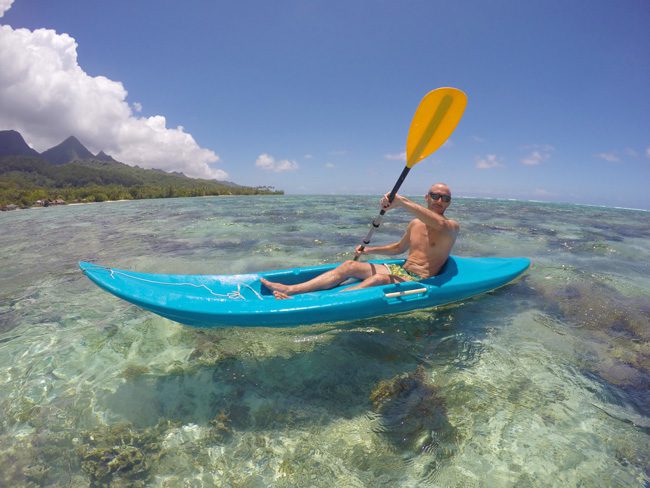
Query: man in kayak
{"type": "Point", "coordinates": [428, 239]}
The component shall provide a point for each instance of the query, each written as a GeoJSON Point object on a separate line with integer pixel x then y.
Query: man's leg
{"type": "Point", "coordinates": [330, 279]}
{"type": "Point", "coordinates": [376, 280]}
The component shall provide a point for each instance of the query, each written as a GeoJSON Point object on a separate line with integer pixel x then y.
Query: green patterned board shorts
{"type": "Point", "coordinates": [397, 270]}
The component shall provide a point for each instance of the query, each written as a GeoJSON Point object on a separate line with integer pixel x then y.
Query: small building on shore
{"type": "Point", "coordinates": [47, 202]}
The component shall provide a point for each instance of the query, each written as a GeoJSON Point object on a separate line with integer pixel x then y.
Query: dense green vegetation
{"type": "Point", "coordinates": [24, 180]}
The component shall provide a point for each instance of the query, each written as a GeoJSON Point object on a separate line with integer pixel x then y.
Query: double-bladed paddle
{"type": "Point", "coordinates": [435, 119]}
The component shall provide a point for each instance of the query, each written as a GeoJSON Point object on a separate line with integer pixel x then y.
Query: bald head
{"type": "Point", "coordinates": [440, 188]}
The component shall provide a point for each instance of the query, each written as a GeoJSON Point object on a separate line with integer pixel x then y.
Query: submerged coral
{"type": "Point", "coordinates": [208, 349]}
{"type": "Point", "coordinates": [119, 454]}
{"type": "Point", "coordinates": [38, 460]}
{"type": "Point", "coordinates": [620, 320]}
{"type": "Point", "coordinates": [413, 415]}
{"type": "Point", "coordinates": [220, 427]}
{"type": "Point", "coordinates": [19, 466]}
{"type": "Point", "coordinates": [105, 463]}
{"type": "Point", "coordinates": [133, 371]}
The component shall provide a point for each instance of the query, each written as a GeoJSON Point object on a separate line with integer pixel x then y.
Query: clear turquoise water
{"type": "Point", "coordinates": [542, 383]}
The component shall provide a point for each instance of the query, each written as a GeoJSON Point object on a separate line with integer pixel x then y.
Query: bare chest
{"type": "Point", "coordinates": [430, 243]}
{"type": "Point", "coordinates": [424, 237]}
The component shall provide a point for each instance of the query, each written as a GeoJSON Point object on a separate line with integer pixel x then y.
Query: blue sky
{"type": "Point", "coordinates": [317, 96]}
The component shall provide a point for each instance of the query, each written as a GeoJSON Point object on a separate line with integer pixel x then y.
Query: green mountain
{"type": "Point", "coordinates": [69, 150]}
{"type": "Point", "coordinates": [13, 144]}
{"type": "Point", "coordinates": [71, 173]}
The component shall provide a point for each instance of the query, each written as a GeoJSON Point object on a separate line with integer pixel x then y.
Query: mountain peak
{"type": "Point", "coordinates": [13, 144]}
{"type": "Point", "coordinates": [69, 150]}
{"type": "Point", "coordinates": [102, 156]}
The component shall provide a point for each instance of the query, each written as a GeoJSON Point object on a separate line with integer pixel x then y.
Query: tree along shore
{"type": "Point", "coordinates": [24, 181]}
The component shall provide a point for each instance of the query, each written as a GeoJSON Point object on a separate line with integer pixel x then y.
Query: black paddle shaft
{"type": "Point", "coordinates": [377, 221]}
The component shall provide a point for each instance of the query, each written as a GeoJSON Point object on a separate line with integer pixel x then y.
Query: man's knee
{"type": "Point", "coordinates": [349, 266]}
{"type": "Point", "coordinates": [353, 269]}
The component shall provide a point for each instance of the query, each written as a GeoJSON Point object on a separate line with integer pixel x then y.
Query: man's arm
{"type": "Point", "coordinates": [390, 249]}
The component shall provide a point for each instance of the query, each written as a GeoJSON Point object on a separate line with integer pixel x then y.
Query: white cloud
{"type": "Point", "coordinates": [137, 106]}
{"type": "Point", "coordinates": [330, 165]}
{"type": "Point", "coordinates": [488, 162]}
{"type": "Point", "coordinates": [268, 163]}
{"type": "Point", "coordinates": [4, 6]}
{"type": "Point", "coordinates": [647, 152]}
{"type": "Point", "coordinates": [534, 158]}
{"type": "Point", "coordinates": [610, 157]}
{"type": "Point", "coordinates": [538, 153]}
{"type": "Point", "coordinates": [47, 96]}
{"type": "Point", "coordinates": [396, 157]}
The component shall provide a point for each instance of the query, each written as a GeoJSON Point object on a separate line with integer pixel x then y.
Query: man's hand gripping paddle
{"type": "Point", "coordinates": [435, 119]}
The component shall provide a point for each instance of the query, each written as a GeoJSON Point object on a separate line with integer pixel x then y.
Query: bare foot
{"type": "Point", "coordinates": [279, 290]}
{"type": "Point", "coordinates": [281, 296]}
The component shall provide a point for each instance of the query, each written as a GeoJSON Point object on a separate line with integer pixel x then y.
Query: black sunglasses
{"type": "Point", "coordinates": [437, 196]}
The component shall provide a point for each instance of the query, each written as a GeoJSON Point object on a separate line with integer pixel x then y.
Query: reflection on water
{"type": "Point", "coordinates": [542, 383]}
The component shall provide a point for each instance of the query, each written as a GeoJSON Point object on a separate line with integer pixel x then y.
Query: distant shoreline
{"type": "Point", "coordinates": [13, 207]}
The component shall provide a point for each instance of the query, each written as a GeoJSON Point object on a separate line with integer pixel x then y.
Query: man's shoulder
{"type": "Point", "coordinates": [453, 223]}
{"type": "Point", "coordinates": [416, 222]}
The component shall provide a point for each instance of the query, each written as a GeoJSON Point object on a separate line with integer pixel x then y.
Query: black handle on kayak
{"type": "Point", "coordinates": [377, 220]}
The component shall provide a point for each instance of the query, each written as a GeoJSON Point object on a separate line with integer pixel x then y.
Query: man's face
{"type": "Point", "coordinates": [436, 197]}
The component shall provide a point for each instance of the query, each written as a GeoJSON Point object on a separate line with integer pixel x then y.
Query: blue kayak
{"type": "Point", "coordinates": [241, 300]}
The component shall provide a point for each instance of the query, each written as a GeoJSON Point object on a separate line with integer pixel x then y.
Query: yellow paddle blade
{"type": "Point", "coordinates": [435, 119]}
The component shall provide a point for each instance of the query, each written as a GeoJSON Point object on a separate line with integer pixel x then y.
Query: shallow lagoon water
{"type": "Point", "coordinates": [542, 383]}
